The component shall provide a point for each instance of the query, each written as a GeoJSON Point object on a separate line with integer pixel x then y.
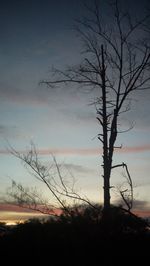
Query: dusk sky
{"type": "Point", "coordinates": [36, 35]}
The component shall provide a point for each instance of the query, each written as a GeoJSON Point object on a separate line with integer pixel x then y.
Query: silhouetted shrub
{"type": "Point", "coordinates": [85, 238]}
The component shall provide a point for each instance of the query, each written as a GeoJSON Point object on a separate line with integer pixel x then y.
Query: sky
{"type": "Point", "coordinates": [36, 36]}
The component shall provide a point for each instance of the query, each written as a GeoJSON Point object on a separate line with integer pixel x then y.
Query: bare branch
{"type": "Point", "coordinates": [28, 198]}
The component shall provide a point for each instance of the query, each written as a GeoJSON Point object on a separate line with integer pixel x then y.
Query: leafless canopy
{"type": "Point", "coordinates": [116, 64]}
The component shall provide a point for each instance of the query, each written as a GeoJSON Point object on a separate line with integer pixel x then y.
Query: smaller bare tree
{"type": "Point", "coordinates": [63, 194]}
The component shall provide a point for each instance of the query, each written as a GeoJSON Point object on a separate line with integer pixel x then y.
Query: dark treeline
{"type": "Point", "coordinates": [83, 239]}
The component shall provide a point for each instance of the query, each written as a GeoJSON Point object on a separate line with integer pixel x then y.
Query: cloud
{"type": "Point", "coordinates": [83, 151]}
{"type": "Point", "coordinates": [23, 96]}
{"type": "Point", "coordinates": [13, 208]}
{"type": "Point", "coordinates": [79, 113]}
{"type": "Point", "coordinates": [70, 151]}
{"type": "Point", "coordinates": [6, 129]}
{"type": "Point", "coordinates": [140, 207]}
{"type": "Point", "coordinates": [77, 168]}
{"type": "Point", "coordinates": [12, 132]}
{"type": "Point", "coordinates": [61, 98]}
{"type": "Point", "coordinates": [9, 131]}
{"type": "Point", "coordinates": [135, 149]}
{"type": "Point", "coordinates": [63, 151]}
{"type": "Point", "coordinates": [11, 218]}
{"type": "Point", "coordinates": [12, 214]}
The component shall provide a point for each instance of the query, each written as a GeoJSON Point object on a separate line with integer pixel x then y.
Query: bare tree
{"type": "Point", "coordinates": [116, 64]}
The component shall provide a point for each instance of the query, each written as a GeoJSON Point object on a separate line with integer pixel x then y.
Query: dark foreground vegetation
{"type": "Point", "coordinates": [86, 238]}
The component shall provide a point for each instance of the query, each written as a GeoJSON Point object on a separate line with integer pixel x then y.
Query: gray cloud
{"type": "Point", "coordinates": [12, 132]}
{"type": "Point", "coordinates": [79, 114]}
{"type": "Point", "coordinates": [141, 205]}
{"type": "Point", "coordinates": [78, 168]}
{"type": "Point", "coordinates": [7, 130]}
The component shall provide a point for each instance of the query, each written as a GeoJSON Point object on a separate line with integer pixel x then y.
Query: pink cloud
{"type": "Point", "coordinates": [135, 149]}
{"type": "Point", "coordinates": [93, 151]}
{"type": "Point", "coordinates": [84, 151]}
{"type": "Point", "coordinates": [12, 208]}
{"type": "Point", "coordinates": [142, 213]}
{"type": "Point", "coordinates": [71, 151]}
{"type": "Point", "coordinates": [16, 95]}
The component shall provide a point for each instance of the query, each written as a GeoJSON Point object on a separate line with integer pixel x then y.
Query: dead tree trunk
{"type": "Point", "coordinates": [104, 122]}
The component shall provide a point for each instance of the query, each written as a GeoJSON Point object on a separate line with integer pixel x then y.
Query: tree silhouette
{"type": "Point", "coordinates": [62, 194]}
{"type": "Point", "coordinates": [116, 63]}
